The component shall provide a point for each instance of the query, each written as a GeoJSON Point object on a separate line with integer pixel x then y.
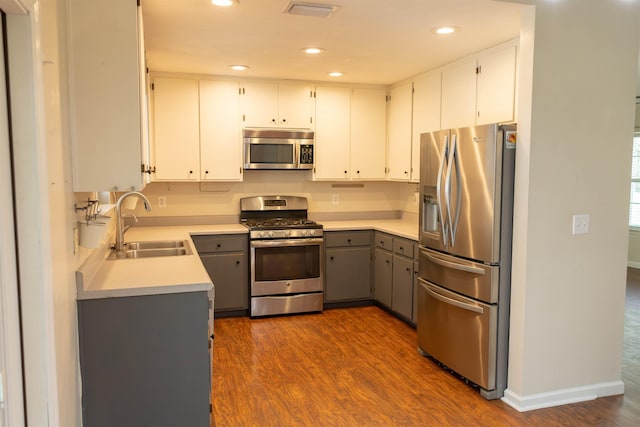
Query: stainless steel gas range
{"type": "Point", "coordinates": [286, 255]}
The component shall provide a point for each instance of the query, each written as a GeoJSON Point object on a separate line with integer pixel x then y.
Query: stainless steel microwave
{"type": "Point", "coordinates": [277, 148]}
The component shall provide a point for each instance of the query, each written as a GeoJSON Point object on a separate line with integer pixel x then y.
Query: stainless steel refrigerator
{"type": "Point", "coordinates": [465, 236]}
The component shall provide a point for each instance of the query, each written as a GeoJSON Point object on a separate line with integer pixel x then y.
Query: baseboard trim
{"type": "Point", "coordinates": [633, 264]}
{"type": "Point", "coordinates": [563, 396]}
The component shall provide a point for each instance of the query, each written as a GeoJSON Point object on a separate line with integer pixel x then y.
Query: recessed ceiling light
{"type": "Point", "coordinates": [313, 50]}
{"type": "Point", "coordinates": [239, 67]}
{"type": "Point", "coordinates": [335, 74]}
{"type": "Point", "coordinates": [223, 3]}
{"type": "Point", "coordinates": [445, 30]}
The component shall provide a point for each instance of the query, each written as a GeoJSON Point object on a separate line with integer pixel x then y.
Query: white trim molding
{"type": "Point", "coordinates": [563, 396]}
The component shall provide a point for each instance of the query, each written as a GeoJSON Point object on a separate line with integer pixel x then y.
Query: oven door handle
{"type": "Point", "coordinates": [286, 242]}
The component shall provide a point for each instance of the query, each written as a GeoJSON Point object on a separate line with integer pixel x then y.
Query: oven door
{"type": "Point", "coordinates": [286, 266]}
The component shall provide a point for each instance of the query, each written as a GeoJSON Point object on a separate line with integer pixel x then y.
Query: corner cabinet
{"type": "Point", "coordinates": [399, 152]}
{"type": "Point", "coordinates": [106, 60]}
{"type": "Point", "coordinates": [347, 266]}
{"type": "Point", "coordinates": [146, 360]}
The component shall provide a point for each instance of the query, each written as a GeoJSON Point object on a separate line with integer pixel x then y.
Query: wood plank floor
{"type": "Point", "coordinates": [359, 367]}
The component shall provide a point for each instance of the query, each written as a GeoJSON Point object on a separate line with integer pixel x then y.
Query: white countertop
{"type": "Point", "coordinates": [101, 278]}
{"type": "Point", "coordinates": [398, 227]}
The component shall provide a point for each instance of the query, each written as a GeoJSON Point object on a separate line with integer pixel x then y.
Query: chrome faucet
{"type": "Point", "coordinates": [120, 228]}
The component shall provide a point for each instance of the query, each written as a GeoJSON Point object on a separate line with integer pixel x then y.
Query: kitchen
{"type": "Point", "coordinates": [536, 243]}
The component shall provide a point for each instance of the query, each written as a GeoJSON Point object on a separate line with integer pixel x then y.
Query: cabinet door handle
{"type": "Point", "coordinates": [348, 240]}
{"type": "Point", "coordinates": [331, 258]}
{"type": "Point", "coordinates": [238, 263]}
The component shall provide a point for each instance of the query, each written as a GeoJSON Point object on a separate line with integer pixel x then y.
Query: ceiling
{"type": "Point", "coordinates": [376, 42]}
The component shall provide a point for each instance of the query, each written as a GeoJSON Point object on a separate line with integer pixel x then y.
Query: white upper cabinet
{"type": "Point", "coordinates": [426, 113]}
{"type": "Point", "coordinates": [399, 150]}
{"type": "Point", "coordinates": [480, 89]}
{"type": "Point", "coordinates": [459, 94]}
{"type": "Point", "coordinates": [220, 139]}
{"type": "Point", "coordinates": [332, 153]}
{"type": "Point", "coordinates": [368, 134]}
{"type": "Point", "coordinates": [176, 133]}
{"type": "Point", "coordinates": [105, 59]}
{"type": "Point", "coordinates": [350, 133]}
{"type": "Point", "coordinates": [270, 104]}
{"type": "Point", "coordinates": [496, 86]}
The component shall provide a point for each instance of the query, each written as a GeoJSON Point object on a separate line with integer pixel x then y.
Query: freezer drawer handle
{"type": "Point", "coordinates": [455, 266]}
{"type": "Point", "coordinates": [453, 302]}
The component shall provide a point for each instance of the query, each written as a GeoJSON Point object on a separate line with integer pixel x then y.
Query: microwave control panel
{"type": "Point", "coordinates": [306, 154]}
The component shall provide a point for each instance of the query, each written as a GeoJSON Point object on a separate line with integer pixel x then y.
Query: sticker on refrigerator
{"type": "Point", "coordinates": [511, 138]}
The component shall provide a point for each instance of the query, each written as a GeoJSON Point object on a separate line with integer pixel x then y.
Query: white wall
{"type": "Point", "coordinates": [224, 198]}
{"type": "Point", "coordinates": [576, 119]}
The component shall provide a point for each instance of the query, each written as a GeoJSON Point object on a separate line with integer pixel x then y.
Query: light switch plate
{"type": "Point", "coordinates": [580, 224]}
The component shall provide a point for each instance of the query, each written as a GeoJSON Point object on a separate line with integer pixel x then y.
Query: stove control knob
{"type": "Point", "coordinates": [287, 233]}
{"type": "Point", "coordinates": [271, 234]}
{"type": "Point", "coordinates": [262, 234]}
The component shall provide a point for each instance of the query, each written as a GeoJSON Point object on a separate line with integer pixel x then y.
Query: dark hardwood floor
{"type": "Point", "coordinates": [359, 367]}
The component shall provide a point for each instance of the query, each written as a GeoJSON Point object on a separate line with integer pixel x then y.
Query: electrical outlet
{"type": "Point", "coordinates": [580, 224]}
{"type": "Point", "coordinates": [162, 202]}
{"type": "Point", "coordinates": [335, 199]}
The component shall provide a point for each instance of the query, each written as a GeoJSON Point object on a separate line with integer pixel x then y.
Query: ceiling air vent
{"type": "Point", "coordinates": [310, 9]}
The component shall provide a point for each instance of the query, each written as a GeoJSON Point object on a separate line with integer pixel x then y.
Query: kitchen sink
{"type": "Point", "coordinates": [152, 249]}
{"type": "Point", "coordinates": [160, 244]}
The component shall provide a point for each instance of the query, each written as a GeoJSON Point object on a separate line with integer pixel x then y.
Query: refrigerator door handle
{"type": "Point", "coordinates": [447, 186]}
{"type": "Point", "coordinates": [443, 221]}
{"type": "Point", "coordinates": [453, 265]}
{"type": "Point", "coordinates": [455, 164]}
{"type": "Point", "coordinates": [450, 301]}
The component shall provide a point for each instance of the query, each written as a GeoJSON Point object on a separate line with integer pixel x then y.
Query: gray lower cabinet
{"type": "Point", "coordinates": [347, 266]}
{"type": "Point", "coordinates": [145, 360]}
{"type": "Point", "coordinates": [394, 274]}
{"type": "Point", "coordinates": [225, 257]}
{"type": "Point", "coordinates": [383, 268]}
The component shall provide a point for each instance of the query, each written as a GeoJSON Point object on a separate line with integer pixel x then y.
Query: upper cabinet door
{"type": "Point", "coordinates": [259, 104]}
{"type": "Point", "coordinates": [426, 114]}
{"type": "Point", "coordinates": [399, 153]}
{"type": "Point", "coordinates": [295, 106]}
{"type": "Point", "coordinates": [368, 133]}
{"type": "Point", "coordinates": [332, 133]}
{"type": "Point", "coordinates": [220, 139]}
{"type": "Point", "coordinates": [105, 95]}
{"type": "Point", "coordinates": [459, 94]}
{"type": "Point", "coordinates": [496, 86]}
{"type": "Point", "coordinates": [176, 142]}
{"type": "Point", "coordinates": [270, 104]}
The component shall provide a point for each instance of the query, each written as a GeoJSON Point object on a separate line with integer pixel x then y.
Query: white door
{"type": "Point", "coordinates": [176, 130]}
{"type": "Point", "coordinates": [220, 139]}
{"type": "Point", "coordinates": [10, 357]}
{"type": "Point", "coordinates": [368, 133]}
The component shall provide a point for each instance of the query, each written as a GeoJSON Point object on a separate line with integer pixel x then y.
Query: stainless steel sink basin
{"type": "Point", "coordinates": [160, 244]}
{"type": "Point", "coordinates": [152, 249]}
